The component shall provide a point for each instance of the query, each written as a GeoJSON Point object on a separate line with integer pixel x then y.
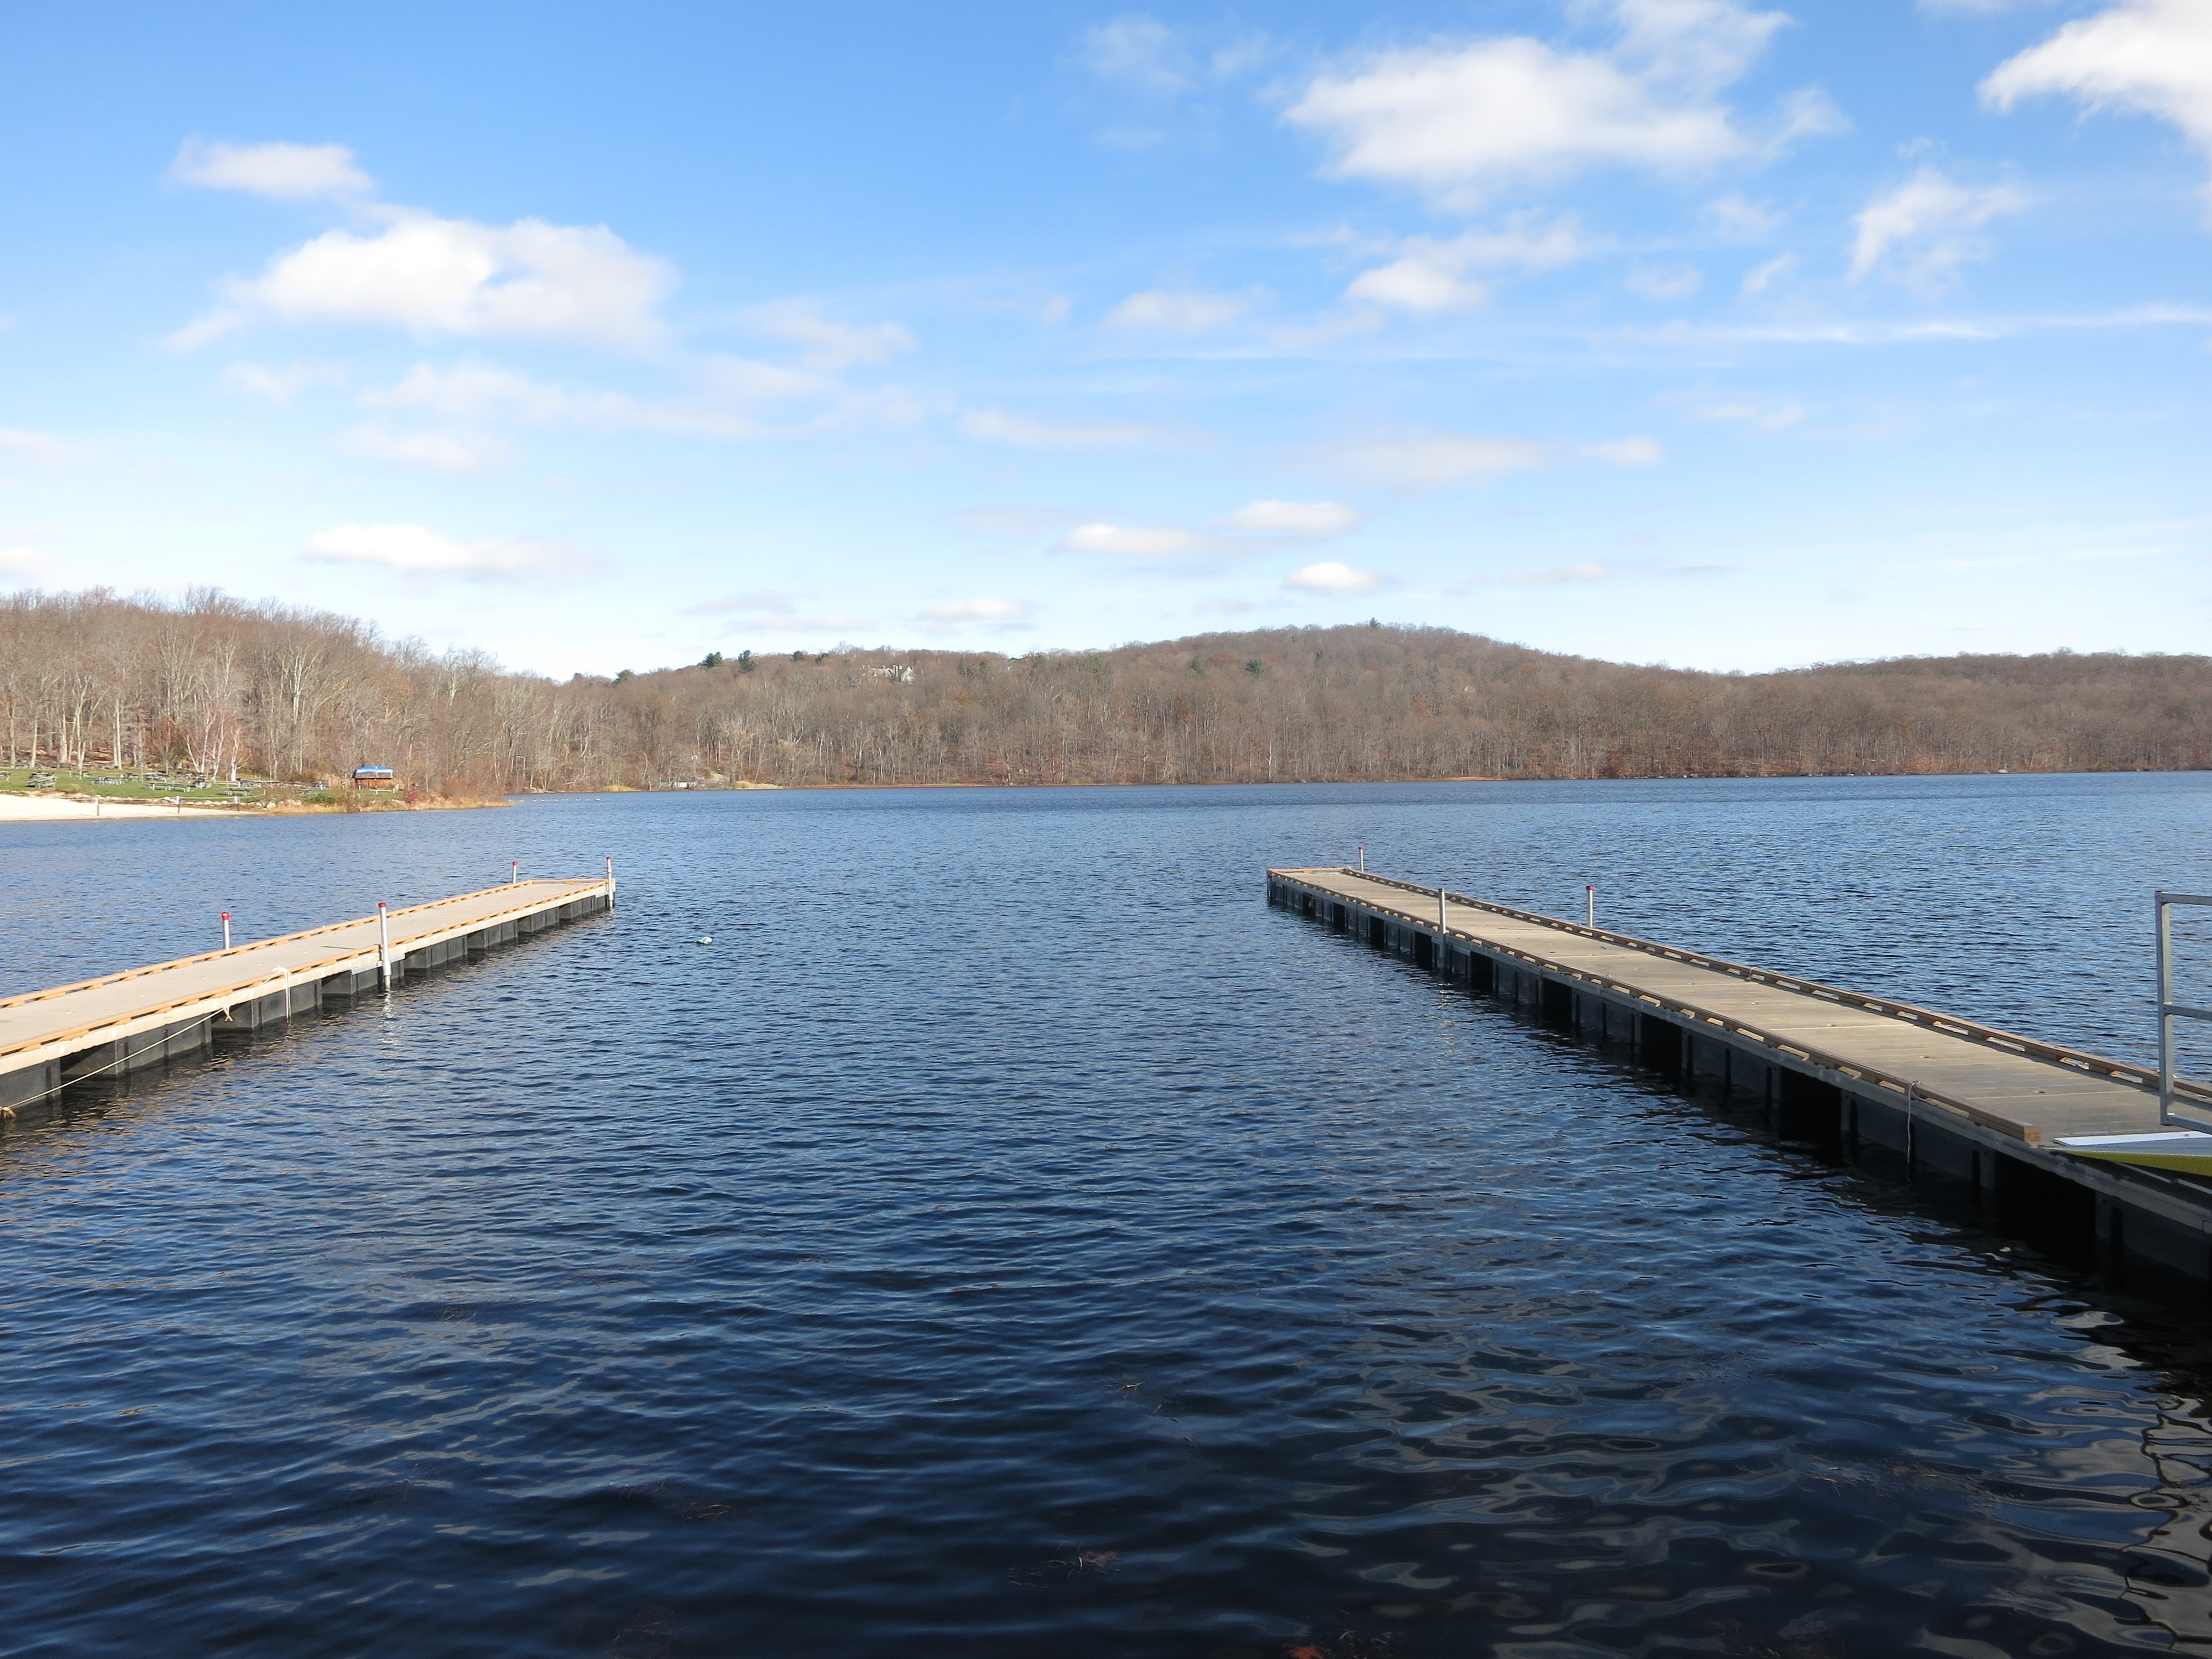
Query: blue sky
{"type": "Point", "coordinates": [1684, 330]}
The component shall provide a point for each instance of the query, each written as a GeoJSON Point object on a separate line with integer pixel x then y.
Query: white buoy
{"type": "Point", "coordinates": [709, 940]}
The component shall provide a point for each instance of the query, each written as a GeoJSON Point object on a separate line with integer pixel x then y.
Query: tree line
{"type": "Point", "coordinates": [222, 687]}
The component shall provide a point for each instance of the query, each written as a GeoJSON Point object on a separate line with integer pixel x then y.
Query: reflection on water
{"type": "Point", "coordinates": [1011, 1237]}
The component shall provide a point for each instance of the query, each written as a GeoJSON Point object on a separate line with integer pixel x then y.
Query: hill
{"type": "Point", "coordinates": [217, 685]}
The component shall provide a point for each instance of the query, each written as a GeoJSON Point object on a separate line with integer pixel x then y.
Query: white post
{"type": "Point", "coordinates": [1363, 860]}
{"type": "Point", "coordinates": [225, 930]}
{"type": "Point", "coordinates": [610, 882]}
{"type": "Point", "coordinates": [2165, 1011]}
{"type": "Point", "coordinates": [1440, 909]}
{"type": "Point", "coordinates": [513, 872]}
{"type": "Point", "coordinates": [383, 947]}
{"type": "Point", "coordinates": [1590, 905]}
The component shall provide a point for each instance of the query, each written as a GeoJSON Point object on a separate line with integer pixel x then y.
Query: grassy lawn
{"type": "Point", "coordinates": [120, 786]}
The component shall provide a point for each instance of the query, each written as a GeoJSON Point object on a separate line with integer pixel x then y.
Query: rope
{"type": "Point", "coordinates": [86, 1077]}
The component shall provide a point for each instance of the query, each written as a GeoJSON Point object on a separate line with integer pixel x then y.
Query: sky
{"type": "Point", "coordinates": [1716, 334]}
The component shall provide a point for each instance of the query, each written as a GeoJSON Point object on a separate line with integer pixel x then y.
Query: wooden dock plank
{"type": "Point", "coordinates": [2032, 1097]}
{"type": "Point", "coordinates": [38, 1025]}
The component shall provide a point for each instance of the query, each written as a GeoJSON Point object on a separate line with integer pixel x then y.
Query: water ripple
{"type": "Point", "coordinates": [1015, 1239]}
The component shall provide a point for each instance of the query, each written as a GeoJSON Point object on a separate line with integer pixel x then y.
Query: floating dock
{"type": "Point", "coordinates": [130, 1022]}
{"type": "Point", "coordinates": [2049, 1135]}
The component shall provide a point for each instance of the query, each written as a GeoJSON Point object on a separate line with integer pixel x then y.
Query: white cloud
{"type": "Point", "coordinates": [2078, 554]}
{"type": "Point", "coordinates": [1159, 311]}
{"type": "Point", "coordinates": [27, 564]}
{"type": "Point", "coordinates": [1139, 52]}
{"type": "Point", "coordinates": [441, 449]}
{"type": "Point", "coordinates": [1307, 519]}
{"type": "Point", "coordinates": [1028, 432]}
{"type": "Point", "coordinates": [471, 391]}
{"type": "Point", "coordinates": [757, 603]}
{"type": "Point", "coordinates": [745, 380]}
{"type": "Point", "coordinates": [828, 343]}
{"type": "Point", "coordinates": [412, 550]}
{"type": "Point", "coordinates": [1627, 452]}
{"type": "Point", "coordinates": [1740, 220]}
{"type": "Point", "coordinates": [1458, 121]}
{"type": "Point", "coordinates": [474, 390]}
{"type": "Point", "coordinates": [1430, 460]}
{"type": "Point", "coordinates": [1932, 329]}
{"type": "Point", "coordinates": [1159, 541]}
{"type": "Point", "coordinates": [1768, 418]}
{"type": "Point", "coordinates": [1342, 323]}
{"type": "Point", "coordinates": [286, 173]}
{"type": "Point", "coordinates": [1665, 281]}
{"type": "Point", "coordinates": [980, 611]}
{"type": "Point", "coordinates": [777, 613]}
{"type": "Point", "coordinates": [1418, 286]}
{"type": "Point", "coordinates": [1021, 523]}
{"type": "Point", "coordinates": [40, 447]}
{"type": "Point", "coordinates": [1761, 277]}
{"type": "Point", "coordinates": [1430, 279]}
{"type": "Point", "coordinates": [833, 622]}
{"type": "Point", "coordinates": [432, 276]}
{"type": "Point", "coordinates": [1332, 577]}
{"type": "Point", "coordinates": [280, 385]}
{"type": "Point", "coordinates": [1564, 573]}
{"type": "Point", "coordinates": [1143, 55]}
{"type": "Point", "coordinates": [1924, 228]}
{"type": "Point", "coordinates": [2154, 56]}
{"type": "Point", "coordinates": [1251, 528]}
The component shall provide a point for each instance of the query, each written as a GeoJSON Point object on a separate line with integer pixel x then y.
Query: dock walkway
{"type": "Point", "coordinates": [1965, 1099]}
{"type": "Point", "coordinates": [144, 1016]}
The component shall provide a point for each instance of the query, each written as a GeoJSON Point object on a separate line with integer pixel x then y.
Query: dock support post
{"type": "Point", "coordinates": [610, 883]}
{"type": "Point", "coordinates": [2111, 1233]}
{"type": "Point", "coordinates": [383, 947]}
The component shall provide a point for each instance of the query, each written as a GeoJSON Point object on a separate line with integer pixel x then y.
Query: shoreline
{"type": "Point", "coordinates": [1121, 783]}
{"type": "Point", "coordinates": [60, 807]}
{"type": "Point", "coordinates": [1319, 783]}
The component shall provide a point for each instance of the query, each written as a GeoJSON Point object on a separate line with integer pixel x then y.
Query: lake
{"type": "Point", "coordinates": [1010, 1236]}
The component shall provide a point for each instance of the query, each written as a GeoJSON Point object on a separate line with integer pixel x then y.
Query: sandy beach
{"type": "Point", "coordinates": [20, 808]}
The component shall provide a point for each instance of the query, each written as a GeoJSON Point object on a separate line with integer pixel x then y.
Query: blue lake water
{"type": "Point", "coordinates": [1011, 1237]}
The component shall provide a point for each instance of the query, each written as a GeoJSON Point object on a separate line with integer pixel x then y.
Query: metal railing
{"type": "Point", "coordinates": [2169, 1011]}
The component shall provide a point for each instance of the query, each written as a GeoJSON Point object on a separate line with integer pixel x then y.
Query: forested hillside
{"type": "Point", "coordinates": [214, 685]}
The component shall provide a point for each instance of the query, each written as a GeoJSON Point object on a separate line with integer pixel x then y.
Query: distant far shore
{"type": "Point", "coordinates": [1110, 783]}
{"type": "Point", "coordinates": [1318, 783]}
